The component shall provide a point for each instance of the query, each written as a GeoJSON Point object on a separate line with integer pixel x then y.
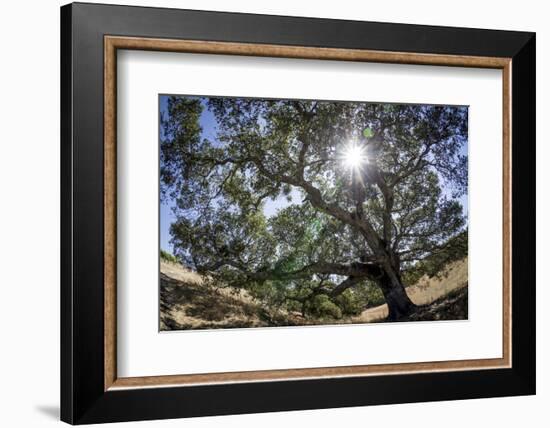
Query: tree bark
{"type": "Point", "coordinates": [399, 303]}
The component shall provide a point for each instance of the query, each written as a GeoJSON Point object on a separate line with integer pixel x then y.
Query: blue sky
{"type": "Point", "coordinates": [208, 124]}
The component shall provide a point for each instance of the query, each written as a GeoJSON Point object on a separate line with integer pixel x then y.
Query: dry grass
{"type": "Point", "coordinates": [179, 273]}
{"type": "Point", "coordinates": [426, 290]}
{"type": "Point", "coordinates": [452, 306]}
{"type": "Point", "coordinates": [188, 301]}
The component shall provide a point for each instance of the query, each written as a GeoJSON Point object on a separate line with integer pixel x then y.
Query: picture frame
{"type": "Point", "coordinates": [91, 390]}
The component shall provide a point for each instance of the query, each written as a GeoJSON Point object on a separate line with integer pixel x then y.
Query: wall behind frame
{"type": "Point", "coordinates": [29, 220]}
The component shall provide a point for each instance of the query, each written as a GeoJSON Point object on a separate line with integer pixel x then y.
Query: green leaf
{"type": "Point", "coordinates": [368, 133]}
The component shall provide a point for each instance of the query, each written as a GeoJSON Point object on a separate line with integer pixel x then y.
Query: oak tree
{"type": "Point", "coordinates": [372, 190]}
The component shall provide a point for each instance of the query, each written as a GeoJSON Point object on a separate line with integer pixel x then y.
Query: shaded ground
{"type": "Point", "coordinates": [453, 306]}
{"type": "Point", "coordinates": [189, 302]}
{"type": "Point", "coordinates": [427, 290]}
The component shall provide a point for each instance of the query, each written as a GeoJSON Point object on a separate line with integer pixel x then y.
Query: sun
{"type": "Point", "coordinates": [354, 156]}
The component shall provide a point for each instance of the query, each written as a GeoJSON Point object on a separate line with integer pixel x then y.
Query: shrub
{"type": "Point", "coordinates": [368, 294]}
{"type": "Point", "coordinates": [350, 303]}
{"type": "Point", "coordinates": [322, 307]}
{"type": "Point", "coordinates": [167, 257]}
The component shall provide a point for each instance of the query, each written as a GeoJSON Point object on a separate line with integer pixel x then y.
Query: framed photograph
{"type": "Point", "coordinates": [266, 213]}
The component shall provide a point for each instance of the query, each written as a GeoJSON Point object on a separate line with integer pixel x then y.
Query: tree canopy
{"type": "Point", "coordinates": [373, 187]}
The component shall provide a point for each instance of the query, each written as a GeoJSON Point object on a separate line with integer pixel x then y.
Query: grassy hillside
{"type": "Point", "coordinates": [429, 290]}
{"type": "Point", "coordinates": [189, 302]}
{"type": "Point", "coordinates": [453, 306]}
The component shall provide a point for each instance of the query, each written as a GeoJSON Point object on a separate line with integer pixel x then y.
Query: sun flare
{"type": "Point", "coordinates": [354, 156]}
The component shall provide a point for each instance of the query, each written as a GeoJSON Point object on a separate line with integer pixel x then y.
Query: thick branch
{"type": "Point", "coordinates": [355, 269]}
{"type": "Point", "coordinates": [316, 198]}
{"type": "Point", "coordinates": [345, 284]}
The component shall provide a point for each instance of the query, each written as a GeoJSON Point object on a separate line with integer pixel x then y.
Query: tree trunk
{"type": "Point", "coordinates": [399, 303]}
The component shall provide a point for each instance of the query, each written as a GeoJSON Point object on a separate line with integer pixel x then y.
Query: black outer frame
{"type": "Point", "coordinates": [83, 399]}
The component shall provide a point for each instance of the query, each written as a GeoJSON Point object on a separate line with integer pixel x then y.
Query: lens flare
{"type": "Point", "coordinates": [354, 156]}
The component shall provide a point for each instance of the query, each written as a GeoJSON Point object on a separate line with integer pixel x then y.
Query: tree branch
{"type": "Point", "coordinates": [356, 269]}
{"type": "Point", "coordinates": [345, 284]}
